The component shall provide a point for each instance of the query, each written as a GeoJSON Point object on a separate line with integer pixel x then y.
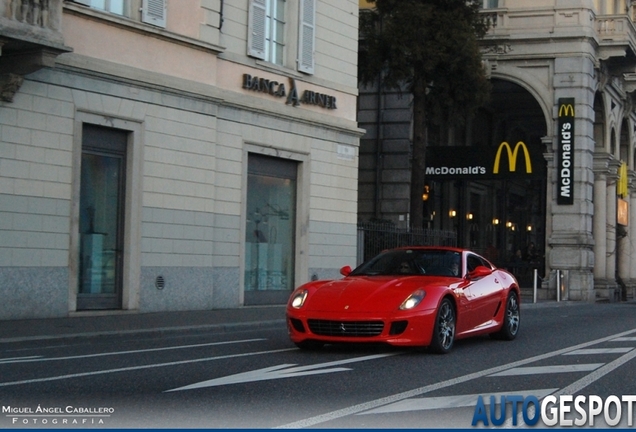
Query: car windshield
{"type": "Point", "coordinates": [429, 262]}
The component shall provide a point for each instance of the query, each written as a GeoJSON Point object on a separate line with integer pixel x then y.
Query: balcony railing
{"type": "Point", "coordinates": [615, 27]}
{"type": "Point", "coordinates": [37, 14]}
{"type": "Point", "coordinates": [34, 12]}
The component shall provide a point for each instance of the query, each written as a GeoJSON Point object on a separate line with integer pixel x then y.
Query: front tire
{"type": "Point", "coordinates": [444, 329]}
{"type": "Point", "coordinates": [511, 320]}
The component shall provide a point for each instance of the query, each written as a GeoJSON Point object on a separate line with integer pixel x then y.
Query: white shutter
{"type": "Point", "coordinates": [256, 31]}
{"type": "Point", "coordinates": [307, 36]}
{"type": "Point", "coordinates": [154, 12]}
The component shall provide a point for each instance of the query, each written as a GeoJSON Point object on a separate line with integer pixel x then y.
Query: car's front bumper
{"type": "Point", "coordinates": [403, 328]}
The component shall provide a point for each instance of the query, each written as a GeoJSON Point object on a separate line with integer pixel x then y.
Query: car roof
{"type": "Point", "coordinates": [444, 248]}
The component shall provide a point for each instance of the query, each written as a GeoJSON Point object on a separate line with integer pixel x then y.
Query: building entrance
{"type": "Point", "coordinates": [101, 223]}
{"type": "Point", "coordinates": [504, 220]}
{"type": "Point", "coordinates": [270, 230]}
{"type": "Point", "coordinates": [490, 184]}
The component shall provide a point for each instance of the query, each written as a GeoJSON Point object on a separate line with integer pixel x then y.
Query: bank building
{"type": "Point", "coordinates": [542, 177]}
{"type": "Point", "coordinates": [166, 155]}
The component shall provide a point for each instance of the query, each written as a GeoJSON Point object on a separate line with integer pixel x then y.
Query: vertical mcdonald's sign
{"type": "Point", "coordinates": [565, 152]}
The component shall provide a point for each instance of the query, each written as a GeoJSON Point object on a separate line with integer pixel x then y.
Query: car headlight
{"type": "Point", "coordinates": [413, 300]}
{"type": "Point", "coordinates": [298, 299]}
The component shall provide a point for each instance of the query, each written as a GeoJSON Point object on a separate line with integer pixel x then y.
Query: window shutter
{"type": "Point", "coordinates": [154, 12]}
{"type": "Point", "coordinates": [256, 31]}
{"type": "Point", "coordinates": [307, 36]}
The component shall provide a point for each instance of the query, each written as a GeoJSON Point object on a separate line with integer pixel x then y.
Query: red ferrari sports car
{"type": "Point", "coordinates": [412, 296]}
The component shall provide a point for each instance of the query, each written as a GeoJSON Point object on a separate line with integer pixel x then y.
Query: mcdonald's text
{"type": "Point", "coordinates": [452, 171]}
{"type": "Point", "coordinates": [565, 151]}
{"type": "Point", "coordinates": [566, 160]}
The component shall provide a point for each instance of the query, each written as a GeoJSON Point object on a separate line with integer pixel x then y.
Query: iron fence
{"type": "Point", "coordinates": [374, 237]}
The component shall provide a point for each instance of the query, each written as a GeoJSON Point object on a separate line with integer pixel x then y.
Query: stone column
{"type": "Point", "coordinates": [610, 271]}
{"type": "Point", "coordinates": [623, 248]}
{"type": "Point", "coordinates": [571, 239]}
{"type": "Point", "coordinates": [600, 233]}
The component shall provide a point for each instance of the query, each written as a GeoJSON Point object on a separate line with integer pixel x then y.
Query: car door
{"type": "Point", "coordinates": [483, 294]}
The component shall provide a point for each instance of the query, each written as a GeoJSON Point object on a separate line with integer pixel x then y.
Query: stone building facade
{"type": "Point", "coordinates": [562, 74]}
{"type": "Point", "coordinates": [163, 155]}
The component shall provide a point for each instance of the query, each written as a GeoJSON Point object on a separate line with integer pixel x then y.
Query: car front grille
{"type": "Point", "coordinates": [345, 328]}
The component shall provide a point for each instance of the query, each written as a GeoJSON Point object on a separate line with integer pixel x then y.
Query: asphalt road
{"type": "Point", "coordinates": [259, 379]}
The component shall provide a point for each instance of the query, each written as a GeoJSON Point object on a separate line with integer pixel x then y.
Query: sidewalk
{"type": "Point", "coordinates": [122, 322]}
{"type": "Point", "coordinates": [110, 323]}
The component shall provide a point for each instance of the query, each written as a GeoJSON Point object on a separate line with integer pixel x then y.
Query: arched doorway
{"type": "Point", "coordinates": [488, 182]}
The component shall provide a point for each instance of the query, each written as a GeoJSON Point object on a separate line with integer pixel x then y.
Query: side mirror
{"type": "Point", "coordinates": [345, 270]}
{"type": "Point", "coordinates": [479, 272]}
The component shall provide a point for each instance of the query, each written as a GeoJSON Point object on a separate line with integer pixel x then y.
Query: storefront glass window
{"type": "Point", "coordinates": [271, 221]}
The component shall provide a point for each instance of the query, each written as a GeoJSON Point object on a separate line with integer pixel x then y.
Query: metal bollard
{"type": "Point", "coordinates": [534, 294]}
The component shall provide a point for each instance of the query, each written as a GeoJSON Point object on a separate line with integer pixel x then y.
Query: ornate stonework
{"type": "Point", "coordinates": [9, 85]}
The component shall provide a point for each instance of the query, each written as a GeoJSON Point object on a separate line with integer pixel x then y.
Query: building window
{"type": "Point", "coordinates": [491, 4]}
{"type": "Point", "coordinates": [101, 217]}
{"type": "Point", "coordinates": [152, 11]}
{"type": "Point", "coordinates": [268, 32]}
{"type": "Point", "coordinates": [112, 6]}
{"type": "Point", "coordinates": [275, 31]}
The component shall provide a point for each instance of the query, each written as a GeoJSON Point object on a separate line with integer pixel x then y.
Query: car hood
{"type": "Point", "coordinates": [371, 293]}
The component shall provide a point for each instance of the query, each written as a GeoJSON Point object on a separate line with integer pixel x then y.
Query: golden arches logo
{"type": "Point", "coordinates": [566, 110]}
{"type": "Point", "coordinates": [512, 157]}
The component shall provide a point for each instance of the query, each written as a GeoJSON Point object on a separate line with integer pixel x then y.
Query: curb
{"type": "Point", "coordinates": [217, 328]}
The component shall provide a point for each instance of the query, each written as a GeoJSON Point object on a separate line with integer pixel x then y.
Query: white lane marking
{"type": "Point", "coordinates": [40, 358]}
{"type": "Point", "coordinates": [134, 368]}
{"type": "Point", "coordinates": [344, 412]}
{"type": "Point", "coordinates": [580, 384]}
{"type": "Point", "coordinates": [600, 351]}
{"type": "Point", "coordinates": [597, 374]}
{"type": "Point", "coordinates": [532, 370]}
{"type": "Point", "coordinates": [624, 339]}
{"type": "Point", "coordinates": [18, 359]}
{"type": "Point", "coordinates": [281, 371]}
{"type": "Point", "coordinates": [446, 402]}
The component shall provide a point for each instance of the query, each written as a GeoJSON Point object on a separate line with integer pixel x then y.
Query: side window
{"type": "Point", "coordinates": [473, 262]}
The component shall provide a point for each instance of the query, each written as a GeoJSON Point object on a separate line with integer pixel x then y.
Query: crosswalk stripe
{"type": "Point", "coordinates": [624, 339]}
{"type": "Point", "coordinates": [600, 351]}
{"type": "Point", "coordinates": [458, 401]}
{"type": "Point", "coordinates": [532, 370]}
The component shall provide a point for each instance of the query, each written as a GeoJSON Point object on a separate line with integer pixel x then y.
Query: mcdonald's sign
{"type": "Point", "coordinates": [566, 109]}
{"type": "Point", "coordinates": [512, 157]}
{"type": "Point", "coordinates": [520, 161]}
{"type": "Point", "coordinates": [565, 152]}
